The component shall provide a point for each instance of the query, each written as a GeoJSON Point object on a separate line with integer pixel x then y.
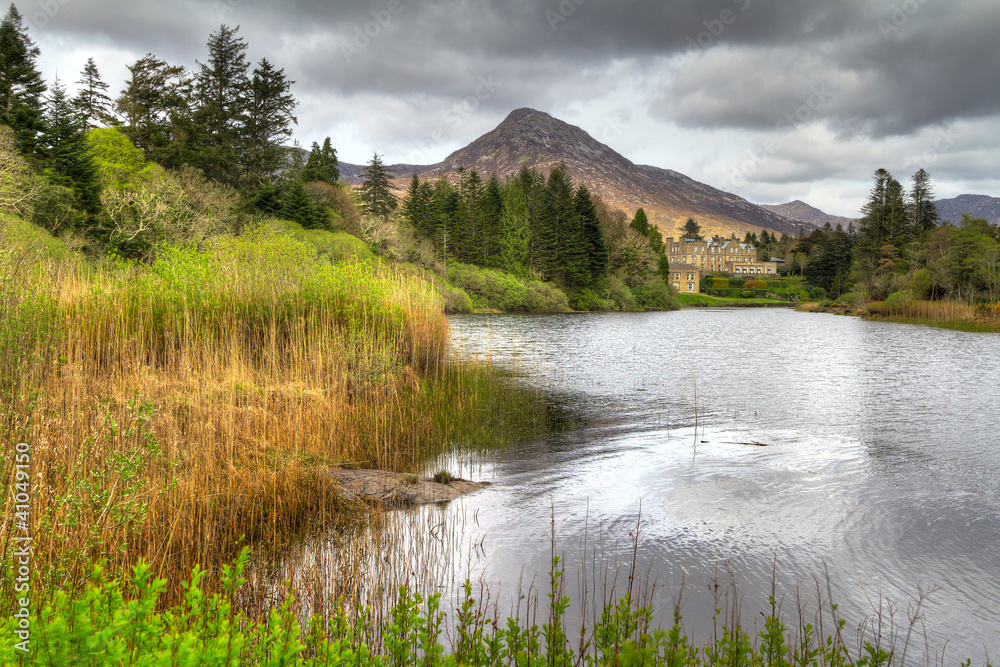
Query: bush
{"type": "Point", "coordinates": [720, 283]}
{"type": "Point", "coordinates": [898, 300]}
{"type": "Point", "coordinates": [655, 294]}
{"type": "Point", "coordinates": [455, 300]}
{"type": "Point", "coordinates": [489, 289]}
{"type": "Point", "coordinates": [346, 214]}
{"type": "Point", "coordinates": [748, 294]}
{"type": "Point", "coordinates": [920, 285]}
{"type": "Point", "coordinates": [817, 294]}
{"type": "Point", "coordinates": [544, 298]}
{"type": "Point", "coordinates": [621, 295]}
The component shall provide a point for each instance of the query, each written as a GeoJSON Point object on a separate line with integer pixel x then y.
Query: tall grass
{"type": "Point", "coordinates": [199, 401]}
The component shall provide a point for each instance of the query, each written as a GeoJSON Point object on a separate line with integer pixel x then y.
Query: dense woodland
{"type": "Point", "coordinates": [180, 155]}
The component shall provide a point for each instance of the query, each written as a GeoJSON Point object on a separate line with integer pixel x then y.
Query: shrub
{"type": "Point", "coordinates": [455, 300]}
{"type": "Point", "coordinates": [346, 214]}
{"type": "Point", "coordinates": [748, 294]}
{"type": "Point", "coordinates": [544, 298]}
{"type": "Point", "coordinates": [621, 295]}
{"type": "Point", "coordinates": [898, 300]}
{"type": "Point", "coordinates": [720, 283]}
{"type": "Point", "coordinates": [489, 289]}
{"type": "Point", "coordinates": [443, 477]}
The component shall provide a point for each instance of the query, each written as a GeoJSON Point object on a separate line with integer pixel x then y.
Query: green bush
{"type": "Point", "coordinates": [898, 300]}
{"type": "Point", "coordinates": [455, 300]}
{"type": "Point", "coordinates": [621, 295]}
{"type": "Point", "coordinates": [747, 294]}
{"type": "Point", "coordinates": [920, 285]}
{"type": "Point", "coordinates": [544, 298]}
{"type": "Point", "coordinates": [720, 283]}
{"type": "Point", "coordinates": [489, 289]}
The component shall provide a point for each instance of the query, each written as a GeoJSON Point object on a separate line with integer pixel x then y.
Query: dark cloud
{"type": "Point", "coordinates": [395, 73]}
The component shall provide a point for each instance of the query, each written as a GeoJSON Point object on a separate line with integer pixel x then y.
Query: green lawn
{"type": "Point", "coordinates": [703, 300]}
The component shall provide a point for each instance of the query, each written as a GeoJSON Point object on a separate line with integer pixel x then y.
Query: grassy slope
{"type": "Point", "coordinates": [708, 300]}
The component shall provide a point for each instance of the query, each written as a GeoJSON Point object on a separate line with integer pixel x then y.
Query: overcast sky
{"type": "Point", "coordinates": [773, 100]}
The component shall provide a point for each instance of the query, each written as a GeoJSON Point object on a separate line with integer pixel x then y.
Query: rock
{"type": "Point", "coordinates": [393, 489]}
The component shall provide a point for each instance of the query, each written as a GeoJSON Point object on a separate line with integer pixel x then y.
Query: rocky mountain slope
{"type": "Point", "coordinates": [536, 139]}
{"type": "Point", "coordinates": [979, 206]}
{"type": "Point", "coordinates": [809, 215]}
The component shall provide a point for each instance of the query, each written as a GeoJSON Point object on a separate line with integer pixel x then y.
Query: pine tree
{"type": "Point", "coordinates": [692, 230]}
{"type": "Point", "coordinates": [155, 108]}
{"type": "Point", "coordinates": [92, 103]}
{"type": "Point", "coordinates": [640, 222]}
{"type": "Point", "coordinates": [267, 124]}
{"type": "Point", "coordinates": [376, 192]}
{"type": "Point", "coordinates": [923, 210]}
{"type": "Point", "coordinates": [21, 84]}
{"type": "Point", "coordinates": [221, 85]}
{"type": "Point", "coordinates": [445, 205]}
{"type": "Point", "coordinates": [492, 222]}
{"type": "Point", "coordinates": [558, 228]}
{"type": "Point", "coordinates": [593, 237]}
{"type": "Point", "coordinates": [297, 207]}
{"type": "Point", "coordinates": [515, 242]}
{"type": "Point", "coordinates": [64, 150]}
{"type": "Point", "coordinates": [468, 234]}
{"type": "Point", "coordinates": [417, 207]}
{"type": "Point", "coordinates": [322, 164]}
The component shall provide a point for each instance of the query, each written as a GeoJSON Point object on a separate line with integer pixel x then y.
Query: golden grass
{"type": "Point", "coordinates": [199, 400]}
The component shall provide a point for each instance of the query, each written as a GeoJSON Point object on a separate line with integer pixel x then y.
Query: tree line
{"type": "Point", "coordinates": [899, 245]}
{"type": "Point", "coordinates": [525, 224]}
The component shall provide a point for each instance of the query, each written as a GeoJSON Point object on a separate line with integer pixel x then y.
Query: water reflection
{"type": "Point", "coordinates": [879, 479]}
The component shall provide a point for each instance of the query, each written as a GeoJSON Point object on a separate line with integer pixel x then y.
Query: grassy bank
{"type": "Point", "coordinates": [981, 318]}
{"type": "Point", "coordinates": [116, 623]}
{"type": "Point", "coordinates": [176, 409]}
{"type": "Point", "coordinates": [706, 301]}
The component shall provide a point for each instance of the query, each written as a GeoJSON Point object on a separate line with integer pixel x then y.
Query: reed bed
{"type": "Point", "coordinates": [179, 410]}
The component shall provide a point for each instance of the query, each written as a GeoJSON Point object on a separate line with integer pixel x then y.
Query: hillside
{"type": "Point", "coordinates": [535, 139]}
{"type": "Point", "coordinates": [979, 206]}
{"type": "Point", "coordinates": [808, 215]}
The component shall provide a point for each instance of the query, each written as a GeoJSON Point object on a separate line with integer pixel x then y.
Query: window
{"type": "Point", "coordinates": [690, 287]}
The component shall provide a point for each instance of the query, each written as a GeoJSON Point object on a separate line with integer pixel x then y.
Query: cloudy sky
{"type": "Point", "coordinates": [771, 99]}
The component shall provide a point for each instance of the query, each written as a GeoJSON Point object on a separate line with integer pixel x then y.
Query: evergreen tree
{"type": "Point", "coordinates": [515, 243]}
{"type": "Point", "coordinates": [221, 87]}
{"type": "Point", "coordinates": [376, 192]}
{"type": "Point", "coordinates": [92, 103]}
{"type": "Point", "coordinates": [64, 150]}
{"type": "Point", "coordinates": [923, 210]}
{"type": "Point", "coordinates": [468, 233]}
{"type": "Point", "coordinates": [297, 207]}
{"type": "Point", "coordinates": [592, 236]}
{"type": "Point", "coordinates": [155, 108]}
{"type": "Point", "coordinates": [558, 228]}
{"type": "Point", "coordinates": [21, 84]}
{"type": "Point", "coordinates": [640, 222]}
{"type": "Point", "coordinates": [445, 207]}
{"type": "Point", "coordinates": [267, 124]}
{"type": "Point", "coordinates": [322, 164]}
{"type": "Point", "coordinates": [418, 208]}
{"type": "Point", "coordinates": [492, 222]}
{"type": "Point", "coordinates": [692, 230]}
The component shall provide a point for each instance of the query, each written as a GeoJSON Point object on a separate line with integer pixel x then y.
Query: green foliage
{"type": "Point", "coordinates": [21, 84]}
{"type": "Point", "coordinates": [720, 283]}
{"type": "Point", "coordinates": [692, 230]}
{"type": "Point", "coordinates": [322, 164]}
{"type": "Point", "coordinates": [118, 161]}
{"type": "Point", "coordinates": [376, 192]}
{"type": "Point", "coordinates": [443, 477]}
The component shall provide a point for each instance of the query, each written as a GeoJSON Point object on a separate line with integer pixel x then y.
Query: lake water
{"type": "Point", "coordinates": [880, 479]}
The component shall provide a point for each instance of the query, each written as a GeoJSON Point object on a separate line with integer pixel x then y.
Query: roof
{"type": "Point", "coordinates": [684, 267]}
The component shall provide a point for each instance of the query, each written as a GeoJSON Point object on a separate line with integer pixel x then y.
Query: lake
{"type": "Point", "coordinates": [879, 478]}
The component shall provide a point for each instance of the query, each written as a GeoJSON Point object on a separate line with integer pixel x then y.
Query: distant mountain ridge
{"type": "Point", "coordinates": [537, 140]}
{"type": "Point", "coordinates": [809, 215]}
{"type": "Point", "coordinates": [978, 206]}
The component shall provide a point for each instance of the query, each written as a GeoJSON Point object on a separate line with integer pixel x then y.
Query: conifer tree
{"type": "Point", "coordinates": [492, 227]}
{"type": "Point", "coordinates": [558, 225]}
{"type": "Point", "coordinates": [92, 103]}
{"type": "Point", "coordinates": [322, 164]}
{"type": "Point", "coordinates": [376, 192]}
{"type": "Point", "coordinates": [923, 211]}
{"type": "Point", "coordinates": [21, 84]}
{"type": "Point", "coordinates": [154, 108]}
{"type": "Point", "coordinates": [692, 230]}
{"type": "Point", "coordinates": [267, 123]}
{"type": "Point", "coordinates": [63, 148]}
{"type": "Point", "coordinates": [221, 85]}
{"type": "Point", "coordinates": [515, 225]}
{"type": "Point", "coordinates": [640, 222]}
{"type": "Point", "coordinates": [592, 236]}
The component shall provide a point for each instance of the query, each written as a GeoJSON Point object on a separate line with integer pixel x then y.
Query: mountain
{"type": "Point", "coordinates": [979, 206]}
{"type": "Point", "coordinates": [535, 139]}
{"type": "Point", "coordinates": [808, 215]}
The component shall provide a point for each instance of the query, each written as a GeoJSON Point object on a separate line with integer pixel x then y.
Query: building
{"type": "Point", "coordinates": [685, 278]}
{"type": "Point", "coordinates": [726, 256]}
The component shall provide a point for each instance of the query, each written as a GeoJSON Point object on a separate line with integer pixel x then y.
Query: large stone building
{"type": "Point", "coordinates": [685, 278]}
{"type": "Point", "coordinates": [727, 256]}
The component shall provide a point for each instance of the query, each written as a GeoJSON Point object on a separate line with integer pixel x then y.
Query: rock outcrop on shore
{"type": "Point", "coordinates": [395, 489]}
